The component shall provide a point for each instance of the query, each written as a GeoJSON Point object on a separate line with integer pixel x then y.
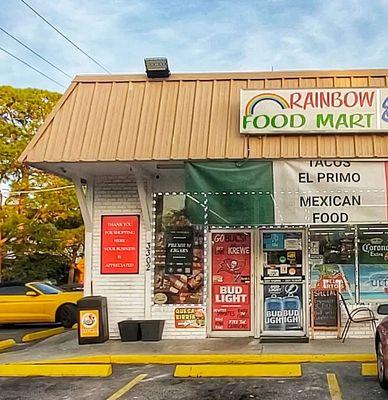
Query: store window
{"type": "Point", "coordinates": [179, 250]}
{"type": "Point", "coordinates": [373, 263]}
{"type": "Point", "coordinates": [332, 260]}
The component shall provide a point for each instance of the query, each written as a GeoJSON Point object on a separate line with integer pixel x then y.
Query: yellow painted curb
{"type": "Point", "coordinates": [72, 360]}
{"type": "Point", "coordinates": [29, 337]}
{"type": "Point", "coordinates": [369, 369]}
{"type": "Point", "coordinates": [230, 370]}
{"type": "Point", "coordinates": [238, 358]}
{"type": "Point", "coordinates": [208, 359]}
{"type": "Point", "coordinates": [6, 344]}
{"type": "Point", "coordinates": [55, 370]}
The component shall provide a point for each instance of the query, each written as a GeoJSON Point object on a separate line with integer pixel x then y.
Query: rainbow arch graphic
{"type": "Point", "coordinates": [254, 101]}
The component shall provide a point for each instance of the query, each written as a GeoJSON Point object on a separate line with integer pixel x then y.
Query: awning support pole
{"type": "Point", "coordinates": [143, 183]}
{"type": "Point", "coordinates": [85, 200]}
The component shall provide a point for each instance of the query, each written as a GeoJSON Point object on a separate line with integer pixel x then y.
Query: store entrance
{"type": "Point", "coordinates": [283, 283]}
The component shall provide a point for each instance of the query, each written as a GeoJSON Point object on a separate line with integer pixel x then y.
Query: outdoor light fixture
{"type": "Point", "coordinates": [157, 67]}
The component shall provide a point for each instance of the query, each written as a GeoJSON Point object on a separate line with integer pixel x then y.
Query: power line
{"type": "Point", "coordinates": [65, 37]}
{"type": "Point", "coordinates": [30, 66]}
{"type": "Point", "coordinates": [42, 190]}
{"type": "Point", "coordinates": [33, 51]}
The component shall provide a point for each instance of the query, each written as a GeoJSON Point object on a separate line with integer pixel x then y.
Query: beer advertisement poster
{"type": "Point", "coordinates": [120, 244]}
{"type": "Point", "coordinates": [283, 307]}
{"type": "Point", "coordinates": [186, 318]}
{"type": "Point", "coordinates": [231, 281]}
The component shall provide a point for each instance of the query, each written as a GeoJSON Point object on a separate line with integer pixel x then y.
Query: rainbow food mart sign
{"type": "Point", "coordinates": [313, 111]}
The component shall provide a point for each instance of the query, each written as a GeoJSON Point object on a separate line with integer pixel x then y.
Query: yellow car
{"type": "Point", "coordinates": [37, 302]}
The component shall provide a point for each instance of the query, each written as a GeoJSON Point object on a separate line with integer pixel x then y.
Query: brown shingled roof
{"type": "Point", "coordinates": [187, 116]}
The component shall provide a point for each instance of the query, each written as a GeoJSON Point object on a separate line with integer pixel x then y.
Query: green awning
{"type": "Point", "coordinates": [241, 192]}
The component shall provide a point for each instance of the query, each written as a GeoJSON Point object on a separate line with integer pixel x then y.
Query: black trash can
{"type": "Point", "coordinates": [151, 330]}
{"type": "Point", "coordinates": [129, 330]}
{"type": "Point", "coordinates": [92, 320]}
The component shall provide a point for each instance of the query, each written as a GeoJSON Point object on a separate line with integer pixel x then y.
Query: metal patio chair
{"type": "Point", "coordinates": [368, 316]}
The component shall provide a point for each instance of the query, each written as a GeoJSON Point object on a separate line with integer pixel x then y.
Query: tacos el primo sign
{"type": "Point", "coordinates": [313, 111]}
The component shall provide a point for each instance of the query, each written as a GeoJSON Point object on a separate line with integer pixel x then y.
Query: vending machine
{"type": "Point", "coordinates": [283, 284]}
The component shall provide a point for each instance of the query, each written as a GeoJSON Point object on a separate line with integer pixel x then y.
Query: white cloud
{"type": "Point", "coordinates": [196, 36]}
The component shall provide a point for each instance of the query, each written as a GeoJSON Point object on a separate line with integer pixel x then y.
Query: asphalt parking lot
{"type": "Point", "coordinates": [159, 384]}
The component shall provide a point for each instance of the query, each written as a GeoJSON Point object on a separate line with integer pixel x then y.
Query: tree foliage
{"type": "Point", "coordinates": [40, 226]}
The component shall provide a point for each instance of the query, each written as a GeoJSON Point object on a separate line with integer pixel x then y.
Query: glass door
{"type": "Point", "coordinates": [283, 283]}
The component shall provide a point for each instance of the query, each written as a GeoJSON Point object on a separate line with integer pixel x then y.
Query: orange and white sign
{"type": "Point", "coordinates": [89, 323]}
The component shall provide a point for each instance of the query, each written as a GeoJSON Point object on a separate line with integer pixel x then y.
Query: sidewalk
{"type": "Point", "coordinates": [65, 346]}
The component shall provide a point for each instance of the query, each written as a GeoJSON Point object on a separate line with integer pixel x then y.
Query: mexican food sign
{"type": "Point", "coordinates": [313, 111]}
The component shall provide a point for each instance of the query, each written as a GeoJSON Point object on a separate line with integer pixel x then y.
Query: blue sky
{"type": "Point", "coordinates": [196, 35]}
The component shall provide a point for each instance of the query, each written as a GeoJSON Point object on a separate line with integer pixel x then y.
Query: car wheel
{"type": "Point", "coordinates": [381, 367]}
{"type": "Point", "coordinates": [67, 315]}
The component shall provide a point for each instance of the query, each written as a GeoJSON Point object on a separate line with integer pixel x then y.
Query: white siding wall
{"type": "Point", "coordinates": [125, 293]}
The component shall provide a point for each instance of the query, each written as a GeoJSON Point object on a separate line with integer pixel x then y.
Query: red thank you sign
{"type": "Point", "coordinates": [231, 281]}
{"type": "Point", "coordinates": [120, 244]}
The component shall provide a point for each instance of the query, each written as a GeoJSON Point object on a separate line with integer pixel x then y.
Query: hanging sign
{"type": "Point", "coordinates": [330, 191]}
{"type": "Point", "coordinates": [179, 250]}
{"type": "Point", "coordinates": [120, 244]}
{"type": "Point", "coordinates": [313, 111]}
{"type": "Point", "coordinates": [231, 281]}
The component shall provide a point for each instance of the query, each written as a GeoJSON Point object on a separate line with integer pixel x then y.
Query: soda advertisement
{"type": "Point", "coordinates": [89, 323]}
{"type": "Point", "coordinates": [283, 307]}
{"type": "Point", "coordinates": [373, 258]}
{"type": "Point", "coordinates": [179, 253]}
{"type": "Point", "coordinates": [231, 281]}
{"type": "Point", "coordinates": [120, 244]}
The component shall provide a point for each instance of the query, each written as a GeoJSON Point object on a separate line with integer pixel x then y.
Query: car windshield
{"type": "Point", "coordinates": [47, 288]}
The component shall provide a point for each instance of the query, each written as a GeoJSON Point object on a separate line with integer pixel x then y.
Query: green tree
{"type": "Point", "coordinates": [40, 230]}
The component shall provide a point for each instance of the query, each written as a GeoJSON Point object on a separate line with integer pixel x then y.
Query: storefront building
{"type": "Point", "coordinates": [224, 203]}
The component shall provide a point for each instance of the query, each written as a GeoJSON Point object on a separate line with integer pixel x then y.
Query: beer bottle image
{"type": "Point", "coordinates": [273, 311]}
{"type": "Point", "coordinates": [291, 313]}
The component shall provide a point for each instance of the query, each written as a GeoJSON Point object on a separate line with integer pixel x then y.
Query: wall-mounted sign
{"type": "Point", "coordinates": [120, 244]}
{"type": "Point", "coordinates": [179, 250]}
{"type": "Point", "coordinates": [313, 111]}
{"type": "Point", "coordinates": [231, 281]}
{"type": "Point", "coordinates": [330, 191]}
{"type": "Point", "coordinates": [186, 318]}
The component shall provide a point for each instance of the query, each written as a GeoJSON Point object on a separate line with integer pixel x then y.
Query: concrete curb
{"type": "Point", "coordinates": [369, 369]}
{"type": "Point", "coordinates": [6, 344]}
{"type": "Point", "coordinates": [233, 370]}
{"type": "Point", "coordinates": [100, 370]}
{"type": "Point", "coordinates": [123, 359]}
{"type": "Point", "coordinates": [30, 337]}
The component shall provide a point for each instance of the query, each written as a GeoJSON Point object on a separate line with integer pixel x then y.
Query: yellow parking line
{"type": "Point", "coordinates": [334, 388]}
{"type": "Point", "coordinates": [127, 387]}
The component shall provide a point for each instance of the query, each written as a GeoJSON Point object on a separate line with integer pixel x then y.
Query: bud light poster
{"type": "Point", "coordinates": [283, 305]}
{"type": "Point", "coordinates": [231, 281]}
